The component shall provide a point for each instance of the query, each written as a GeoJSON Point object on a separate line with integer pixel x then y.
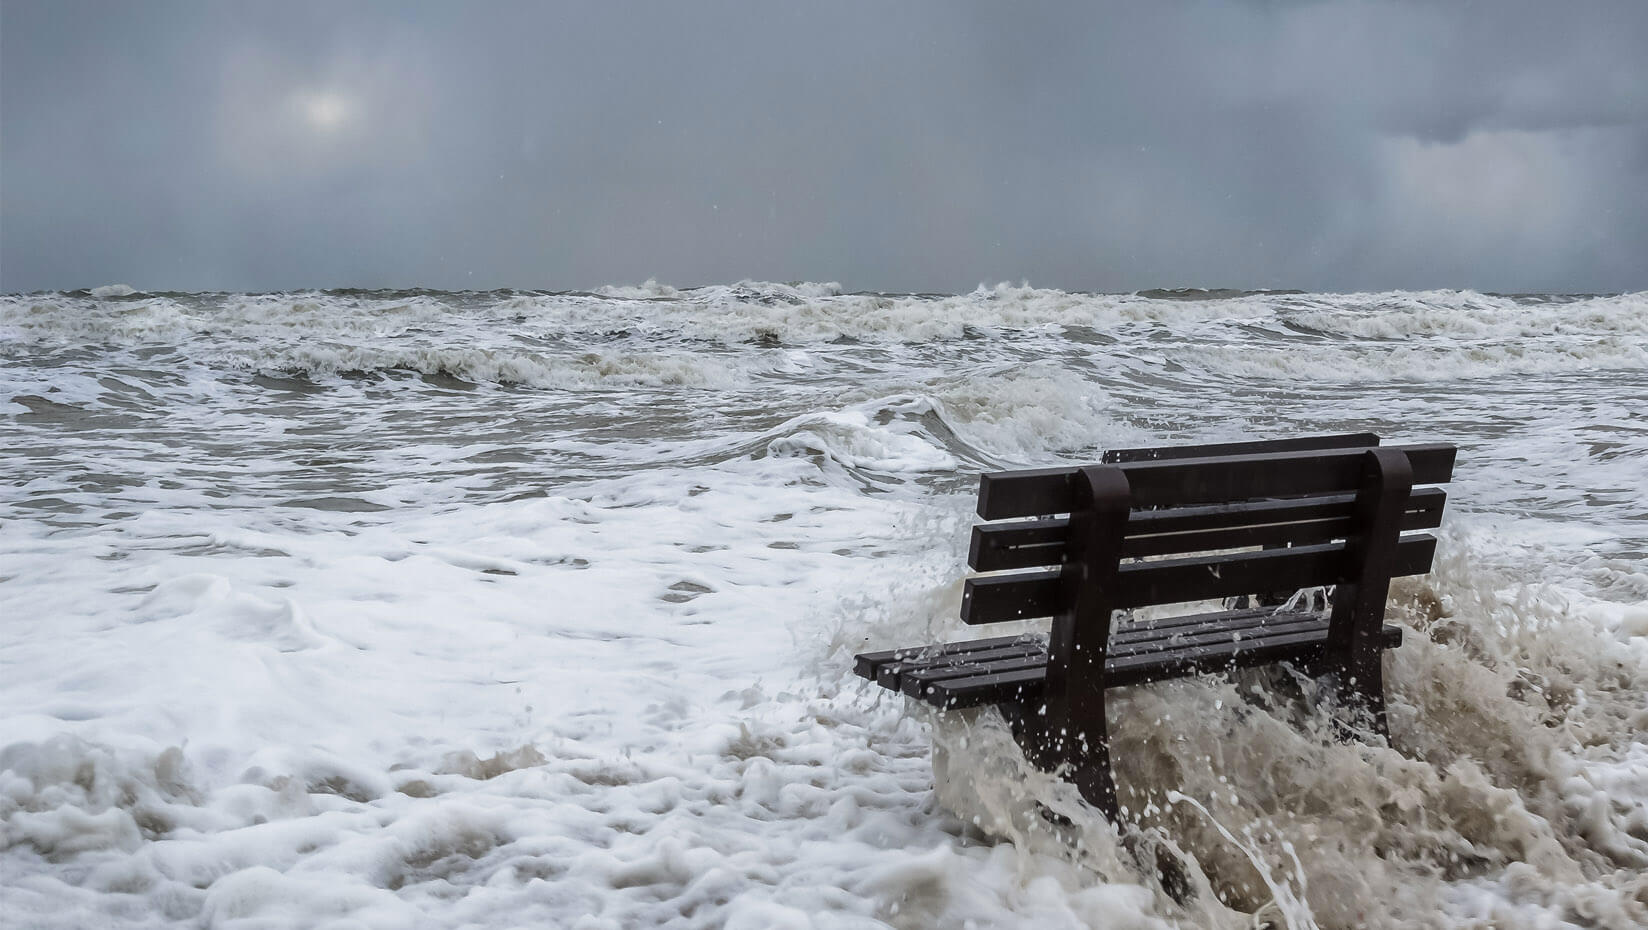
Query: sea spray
{"type": "Point", "coordinates": [1499, 695]}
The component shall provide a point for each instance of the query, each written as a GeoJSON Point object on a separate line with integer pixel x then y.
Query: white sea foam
{"type": "Point", "coordinates": [502, 366]}
{"type": "Point", "coordinates": [1401, 362]}
{"type": "Point", "coordinates": [1474, 316]}
{"type": "Point", "coordinates": [416, 609]}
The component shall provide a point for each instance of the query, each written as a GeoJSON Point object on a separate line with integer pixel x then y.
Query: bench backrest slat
{"type": "Point", "coordinates": [1196, 517]}
{"type": "Point", "coordinates": [1251, 447]}
{"type": "Point", "coordinates": [1293, 521]}
{"type": "Point", "coordinates": [1248, 513]}
{"type": "Point", "coordinates": [1193, 481]}
{"type": "Point", "coordinates": [1028, 595]}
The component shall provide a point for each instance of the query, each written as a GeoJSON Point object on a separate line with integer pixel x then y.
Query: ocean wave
{"type": "Point", "coordinates": [729, 316]}
{"type": "Point", "coordinates": [969, 423]}
{"type": "Point", "coordinates": [1341, 362]}
{"type": "Point", "coordinates": [789, 314]}
{"type": "Point", "coordinates": [763, 292]}
{"type": "Point", "coordinates": [1026, 414]}
{"type": "Point", "coordinates": [180, 320]}
{"type": "Point", "coordinates": [851, 438]}
{"type": "Point", "coordinates": [1466, 314]}
{"type": "Point", "coordinates": [502, 366]}
{"type": "Point", "coordinates": [658, 335]}
{"type": "Point", "coordinates": [734, 314]}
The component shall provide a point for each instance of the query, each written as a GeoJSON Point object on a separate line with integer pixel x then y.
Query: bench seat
{"type": "Point", "coordinates": [1012, 668]}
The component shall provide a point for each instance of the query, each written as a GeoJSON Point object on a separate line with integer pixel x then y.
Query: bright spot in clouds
{"type": "Point", "coordinates": [326, 110]}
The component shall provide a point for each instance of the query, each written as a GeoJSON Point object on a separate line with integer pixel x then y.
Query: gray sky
{"type": "Point", "coordinates": [886, 145]}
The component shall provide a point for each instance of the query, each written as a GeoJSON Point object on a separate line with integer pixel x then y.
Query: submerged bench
{"type": "Point", "coordinates": [1150, 527]}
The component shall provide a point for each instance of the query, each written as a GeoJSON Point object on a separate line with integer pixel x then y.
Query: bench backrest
{"type": "Point", "coordinates": [1307, 501]}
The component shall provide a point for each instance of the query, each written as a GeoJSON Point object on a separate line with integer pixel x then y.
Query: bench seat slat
{"type": "Point", "coordinates": [1021, 685]}
{"type": "Point", "coordinates": [1138, 669]}
{"type": "Point", "coordinates": [866, 664]}
{"type": "Point", "coordinates": [1192, 636]}
{"type": "Point", "coordinates": [1019, 681]}
{"type": "Point", "coordinates": [892, 673]}
{"type": "Point", "coordinates": [1189, 481]}
{"type": "Point", "coordinates": [1031, 594]}
{"type": "Point", "coordinates": [885, 666]}
{"type": "Point", "coordinates": [914, 677]}
{"type": "Point", "coordinates": [1134, 630]}
{"type": "Point", "coordinates": [917, 681]}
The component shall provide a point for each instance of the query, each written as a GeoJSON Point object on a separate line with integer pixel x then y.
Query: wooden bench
{"type": "Point", "coordinates": [1169, 526]}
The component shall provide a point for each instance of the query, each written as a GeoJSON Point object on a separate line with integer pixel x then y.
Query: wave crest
{"type": "Point", "coordinates": [503, 366]}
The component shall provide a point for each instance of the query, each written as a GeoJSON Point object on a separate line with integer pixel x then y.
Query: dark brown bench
{"type": "Point", "coordinates": [1168, 526]}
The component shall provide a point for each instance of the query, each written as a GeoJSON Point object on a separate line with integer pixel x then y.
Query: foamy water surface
{"type": "Point", "coordinates": [418, 609]}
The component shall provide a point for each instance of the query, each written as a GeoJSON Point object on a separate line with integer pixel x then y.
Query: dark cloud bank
{"type": "Point", "coordinates": [888, 146]}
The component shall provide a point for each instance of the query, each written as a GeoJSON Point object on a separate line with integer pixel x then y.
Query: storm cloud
{"type": "Point", "coordinates": [886, 146]}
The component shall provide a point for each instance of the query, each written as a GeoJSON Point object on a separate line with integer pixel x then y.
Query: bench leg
{"type": "Point", "coordinates": [1075, 737]}
{"type": "Point", "coordinates": [1091, 773]}
{"type": "Point", "coordinates": [1353, 649]}
{"type": "Point", "coordinates": [1086, 761]}
{"type": "Point", "coordinates": [1363, 684]}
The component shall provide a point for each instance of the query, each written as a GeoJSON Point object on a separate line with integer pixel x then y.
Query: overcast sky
{"type": "Point", "coordinates": [887, 146]}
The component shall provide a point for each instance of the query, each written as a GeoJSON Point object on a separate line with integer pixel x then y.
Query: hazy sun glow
{"type": "Point", "coordinates": [326, 110]}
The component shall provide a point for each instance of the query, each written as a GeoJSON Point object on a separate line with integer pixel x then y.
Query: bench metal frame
{"type": "Point", "coordinates": [1327, 510]}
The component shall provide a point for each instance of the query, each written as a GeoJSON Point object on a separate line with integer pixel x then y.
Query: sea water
{"type": "Point", "coordinates": [516, 609]}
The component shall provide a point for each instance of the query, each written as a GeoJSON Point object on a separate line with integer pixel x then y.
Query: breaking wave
{"type": "Point", "coordinates": [502, 366]}
{"type": "Point", "coordinates": [1511, 776]}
